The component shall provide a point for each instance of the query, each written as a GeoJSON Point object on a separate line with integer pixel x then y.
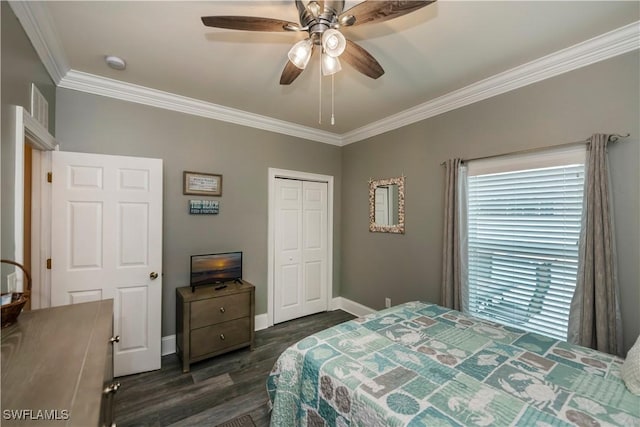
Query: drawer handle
{"type": "Point", "coordinates": [112, 388]}
{"type": "Point", "coordinates": [115, 339]}
{"type": "Point", "coordinates": [222, 337]}
{"type": "Point", "coordinates": [221, 309]}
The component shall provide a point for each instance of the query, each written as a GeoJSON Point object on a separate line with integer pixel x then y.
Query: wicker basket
{"type": "Point", "coordinates": [11, 311]}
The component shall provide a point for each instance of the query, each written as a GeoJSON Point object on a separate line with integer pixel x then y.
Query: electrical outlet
{"type": "Point", "coordinates": [12, 282]}
{"type": "Point", "coordinates": [387, 302]}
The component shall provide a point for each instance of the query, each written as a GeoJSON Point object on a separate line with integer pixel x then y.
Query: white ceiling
{"type": "Point", "coordinates": [427, 54]}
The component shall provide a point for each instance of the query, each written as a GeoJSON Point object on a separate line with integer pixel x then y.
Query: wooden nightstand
{"type": "Point", "coordinates": [210, 322]}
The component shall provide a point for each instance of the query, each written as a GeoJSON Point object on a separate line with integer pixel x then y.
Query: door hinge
{"type": "Point", "coordinates": [48, 263]}
{"type": "Point", "coordinates": [49, 177]}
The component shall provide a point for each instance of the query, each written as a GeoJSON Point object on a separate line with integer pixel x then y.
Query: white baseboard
{"type": "Point", "coordinates": [168, 345]}
{"type": "Point", "coordinates": [261, 322]}
{"type": "Point", "coordinates": [350, 307]}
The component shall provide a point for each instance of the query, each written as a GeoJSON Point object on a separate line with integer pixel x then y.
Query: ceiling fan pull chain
{"type": "Point", "coordinates": [333, 118]}
{"type": "Point", "coordinates": [320, 96]}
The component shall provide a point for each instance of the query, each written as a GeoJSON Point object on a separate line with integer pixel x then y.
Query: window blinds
{"type": "Point", "coordinates": [523, 231]}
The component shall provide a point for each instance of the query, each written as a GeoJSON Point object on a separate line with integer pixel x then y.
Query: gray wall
{"type": "Point", "coordinates": [94, 124]}
{"type": "Point", "coordinates": [20, 67]}
{"type": "Point", "coordinates": [597, 99]}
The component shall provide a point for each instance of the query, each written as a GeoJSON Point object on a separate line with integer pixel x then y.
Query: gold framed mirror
{"type": "Point", "coordinates": [386, 205]}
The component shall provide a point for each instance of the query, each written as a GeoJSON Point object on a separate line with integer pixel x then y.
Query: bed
{"type": "Point", "coordinates": [419, 364]}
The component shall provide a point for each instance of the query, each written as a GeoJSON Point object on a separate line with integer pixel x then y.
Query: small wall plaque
{"type": "Point", "coordinates": [202, 184]}
{"type": "Point", "coordinates": [204, 207]}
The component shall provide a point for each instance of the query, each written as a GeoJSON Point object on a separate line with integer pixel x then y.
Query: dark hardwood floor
{"type": "Point", "coordinates": [215, 390]}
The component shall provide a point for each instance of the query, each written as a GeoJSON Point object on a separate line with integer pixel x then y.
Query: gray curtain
{"type": "Point", "coordinates": [453, 264]}
{"type": "Point", "coordinates": [594, 318]}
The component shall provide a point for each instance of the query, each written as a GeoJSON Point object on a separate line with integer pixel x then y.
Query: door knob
{"type": "Point", "coordinates": [115, 339]}
{"type": "Point", "coordinates": [153, 275]}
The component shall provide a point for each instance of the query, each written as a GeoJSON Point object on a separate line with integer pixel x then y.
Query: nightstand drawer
{"type": "Point", "coordinates": [216, 310]}
{"type": "Point", "coordinates": [214, 338]}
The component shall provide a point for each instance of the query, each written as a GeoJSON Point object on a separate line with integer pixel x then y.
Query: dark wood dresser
{"type": "Point", "coordinates": [210, 322]}
{"type": "Point", "coordinates": [57, 367]}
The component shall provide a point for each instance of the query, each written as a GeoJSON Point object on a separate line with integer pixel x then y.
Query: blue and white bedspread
{"type": "Point", "coordinates": [419, 364]}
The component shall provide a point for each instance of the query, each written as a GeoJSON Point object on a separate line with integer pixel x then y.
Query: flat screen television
{"type": "Point", "coordinates": [209, 269]}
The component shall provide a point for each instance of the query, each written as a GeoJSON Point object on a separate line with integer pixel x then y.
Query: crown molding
{"type": "Point", "coordinates": [97, 85]}
{"type": "Point", "coordinates": [608, 45]}
{"type": "Point", "coordinates": [40, 29]}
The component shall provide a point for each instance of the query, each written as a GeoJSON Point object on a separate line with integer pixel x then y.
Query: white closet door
{"type": "Point", "coordinates": [300, 249]}
{"type": "Point", "coordinates": [314, 246]}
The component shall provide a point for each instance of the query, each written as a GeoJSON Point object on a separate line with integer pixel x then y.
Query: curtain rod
{"type": "Point", "coordinates": [612, 138]}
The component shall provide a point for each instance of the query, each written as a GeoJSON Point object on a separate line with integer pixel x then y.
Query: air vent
{"type": "Point", "coordinates": [39, 107]}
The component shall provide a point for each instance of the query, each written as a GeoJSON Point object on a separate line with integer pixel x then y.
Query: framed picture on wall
{"type": "Point", "coordinates": [202, 184]}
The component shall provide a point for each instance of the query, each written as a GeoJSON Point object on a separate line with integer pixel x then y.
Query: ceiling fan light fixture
{"type": "Point", "coordinates": [300, 53]}
{"type": "Point", "coordinates": [330, 65]}
{"type": "Point", "coordinates": [333, 42]}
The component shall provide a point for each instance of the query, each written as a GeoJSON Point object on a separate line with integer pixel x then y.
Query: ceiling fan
{"type": "Point", "coordinates": [323, 20]}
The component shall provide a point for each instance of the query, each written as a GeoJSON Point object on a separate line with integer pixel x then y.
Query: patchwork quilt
{"type": "Point", "coordinates": [419, 364]}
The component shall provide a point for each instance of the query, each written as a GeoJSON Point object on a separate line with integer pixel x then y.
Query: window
{"type": "Point", "coordinates": [524, 216]}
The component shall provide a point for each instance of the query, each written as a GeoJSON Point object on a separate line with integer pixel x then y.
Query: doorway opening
{"type": "Point", "coordinates": [31, 201]}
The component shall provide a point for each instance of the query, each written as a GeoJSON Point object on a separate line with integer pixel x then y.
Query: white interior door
{"type": "Point", "coordinates": [300, 280]}
{"type": "Point", "coordinates": [107, 243]}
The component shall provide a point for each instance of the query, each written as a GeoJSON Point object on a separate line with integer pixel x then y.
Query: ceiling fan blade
{"type": "Point", "coordinates": [379, 11]}
{"type": "Point", "coordinates": [361, 60]}
{"type": "Point", "coordinates": [290, 73]}
{"type": "Point", "coordinates": [249, 23]}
